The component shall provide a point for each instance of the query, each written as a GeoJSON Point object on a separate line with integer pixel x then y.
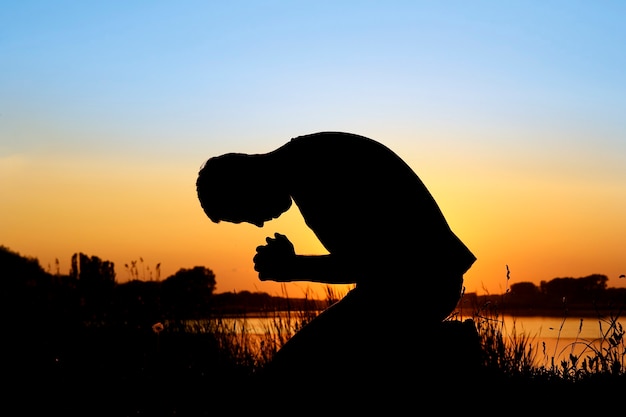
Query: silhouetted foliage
{"type": "Point", "coordinates": [123, 367]}
{"type": "Point", "coordinates": [18, 269]}
{"type": "Point", "coordinates": [574, 289]}
{"type": "Point", "coordinates": [586, 295]}
{"type": "Point", "coordinates": [187, 293]}
{"type": "Point", "coordinates": [245, 302]}
{"type": "Point", "coordinates": [37, 299]}
{"type": "Point", "coordinates": [96, 280]}
{"type": "Point", "coordinates": [137, 304]}
{"type": "Point", "coordinates": [90, 292]}
{"type": "Point", "coordinates": [524, 289]}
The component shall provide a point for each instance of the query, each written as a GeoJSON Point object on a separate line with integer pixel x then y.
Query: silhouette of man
{"type": "Point", "coordinates": [380, 225]}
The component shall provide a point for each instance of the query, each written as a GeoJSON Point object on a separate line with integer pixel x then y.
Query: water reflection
{"type": "Point", "coordinates": [552, 338]}
{"type": "Point", "coordinates": [555, 339]}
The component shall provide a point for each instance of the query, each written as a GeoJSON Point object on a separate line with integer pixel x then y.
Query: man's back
{"type": "Point", "coordinates": [364, 201]}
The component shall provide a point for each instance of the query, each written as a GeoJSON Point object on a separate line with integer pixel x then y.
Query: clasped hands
{"type": "Point", "coordinates": [273, 261]}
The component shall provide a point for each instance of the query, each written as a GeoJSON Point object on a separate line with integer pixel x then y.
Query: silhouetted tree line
{"type": "Point", "coordinates": [90, 295]}
{"type": "Point", "coordinates": [586, 295]}
{"type": "Point", "coordinates": [245, 302]}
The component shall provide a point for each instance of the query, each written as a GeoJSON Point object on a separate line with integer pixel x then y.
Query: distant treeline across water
{"type": "Point", "coordinates": [586, 297]}
{"type": "Point", "coordinates": [583, 297]}
{"type": "Point", "coordinates": [90, 292]}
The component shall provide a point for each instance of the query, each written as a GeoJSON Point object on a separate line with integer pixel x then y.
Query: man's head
{"type": "Point", "coordinates": [239, 188]}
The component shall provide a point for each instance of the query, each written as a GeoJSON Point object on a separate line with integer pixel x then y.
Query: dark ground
{"type": "Point", "coordinates": [106, 372]}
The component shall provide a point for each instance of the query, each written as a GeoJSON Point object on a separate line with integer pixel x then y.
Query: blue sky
{"type": "Point", "coordinates": [155, 69]}
{"type": "Point", "coordinates": [503, 94]}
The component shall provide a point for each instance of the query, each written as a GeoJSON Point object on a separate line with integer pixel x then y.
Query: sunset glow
{"type": "Point", "coordinates": [512, 114]}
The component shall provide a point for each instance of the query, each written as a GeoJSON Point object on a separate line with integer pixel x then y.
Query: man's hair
{"type": "Point", "coordinates": [218, 183]}
{"type": "Point", "coordinates": [234, 185]}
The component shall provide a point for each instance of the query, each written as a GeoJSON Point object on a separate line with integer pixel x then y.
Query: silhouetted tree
{"type": "Point", "coordinates": [593, 283]}
{"type": "Point", "coordinates": [187, 293]}
{"type": "Point", "coordinates": [524, 289]}
{"type": "Point", "coordinates": [92, 270]}
{"type": "Point", "coordinates": [16, 268]}
{"type": "Point", "coordinates": [95, 280]}
{"type": "Point", "coordinates": [20, 292]}
{"type": "Point", "coordinates": [574, 290]}
{"type": "Point", "coordinates": [524, 295]}
{"type": "Point", "coordinates": [41, 309]}
{"type": "Point", "coordinates": [137, 304]}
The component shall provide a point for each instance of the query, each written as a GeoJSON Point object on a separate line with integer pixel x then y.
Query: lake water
{"type": "Point", "coordinates": [557, 337]}
{"type": "Point", "coordinates": [552, 338]}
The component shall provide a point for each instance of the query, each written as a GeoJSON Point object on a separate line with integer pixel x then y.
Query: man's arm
{"type": "Point", "coordinates": [277, 261]}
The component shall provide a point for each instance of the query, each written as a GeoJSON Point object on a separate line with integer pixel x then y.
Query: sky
{"type": "Point", "coordinates": [511, 113]}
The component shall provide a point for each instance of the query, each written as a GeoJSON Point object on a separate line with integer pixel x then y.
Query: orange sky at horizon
{"type": "Point", "coordinates": [540, 229]}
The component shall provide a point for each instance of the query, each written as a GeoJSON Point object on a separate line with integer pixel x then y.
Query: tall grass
{"type": "Point", "coordinates": [514, 354]}
{"type": "Point", "coordinates": [506, 351]}
{"type": "Point", "coordinates": [250, 347]}
{"type": "Point", "coordinates": [199, 363]}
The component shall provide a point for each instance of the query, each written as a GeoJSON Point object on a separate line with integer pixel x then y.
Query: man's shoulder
{"type": "Point", "coordinates": [340, 143]}
{"type": "Point", "coordinates": [332, 136]}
